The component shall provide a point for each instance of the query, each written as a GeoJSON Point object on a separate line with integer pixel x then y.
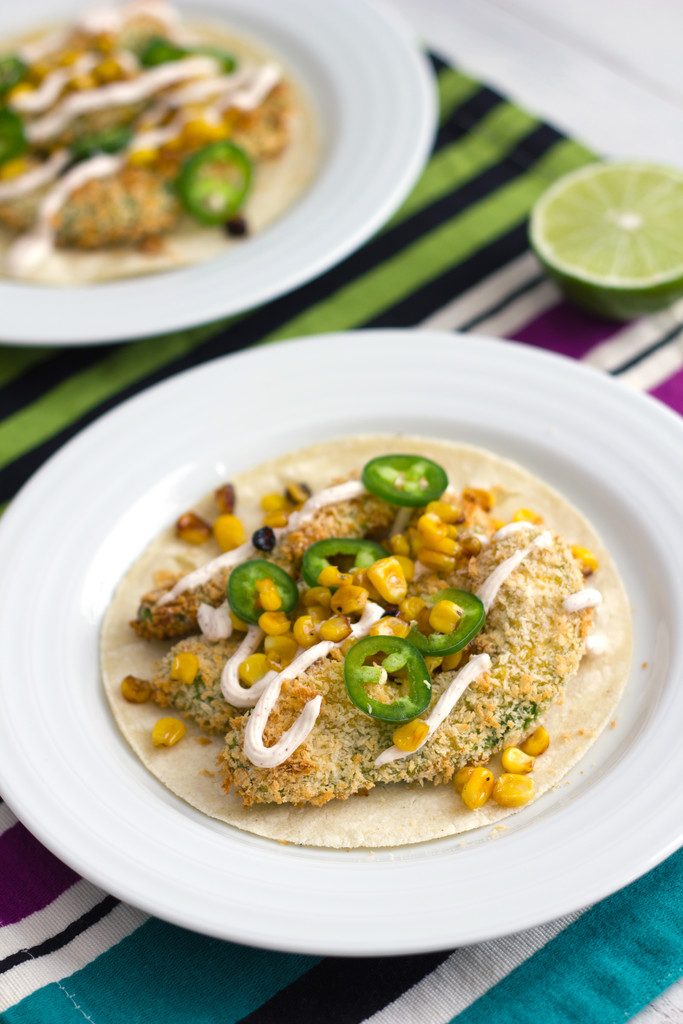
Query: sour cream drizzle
{"type": "Point", "coordinates": [329, 496]}
{"type": "Point", "coordinates": [589, 597]}
{"type": "Point", "coordinates": [26, 183]}
{"type": "Point", "coordinates": [215, 623]}
{"type": "Point", "coordinates": [271, 757]}
{"type": "Point", "coordinates": [50, 89]}
{"type": "Point", "coordinates": [489, 589]}
{"type": "Point", "coordinates": [474, 668]}
{"type": "Point", "coordinates": [510, 528]}
{"type": "Point", "coordinates": [596, 643]}
{"type": "Point", "coordinates": [236, 694]}
{"type": "Point", "coordinates": [110, 20]}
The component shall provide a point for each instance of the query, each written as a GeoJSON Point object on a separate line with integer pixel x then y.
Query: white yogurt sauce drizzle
{"type": "Point", "coordinates": [511, 528]}
{"type": "Point", "coordinates": [50, 89]}
{"type": "Point", "coordinates": [589, 597]}
{"type": "Point", "coordinates": [215, 623]}
{"type": "Point", "coordinates": [489, 589]}
{"type": "Point", "coordinates": [271, 757]}
{"type": "Point", "coordinates": [231, 688]}
{"type": "Point", "coordinates": [36, 178]}
{"type": "Point", "coordinates": [107, 20]}
{"type": "Point", "coordinates": [596, 643]}
{"type": "Point", "coordinates": [474, 668]}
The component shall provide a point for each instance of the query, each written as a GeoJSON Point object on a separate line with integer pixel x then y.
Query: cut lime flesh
{"type": "Point", "coordinates": [612, 237]}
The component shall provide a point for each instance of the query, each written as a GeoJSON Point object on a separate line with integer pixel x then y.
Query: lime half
{"type": "Point", "coordinates": [612, 236]}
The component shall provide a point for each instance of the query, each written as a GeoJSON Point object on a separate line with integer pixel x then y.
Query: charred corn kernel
{"type": "Point", "coordinates": [586, 558]}
{"type": "Point", "coordinates": [274, 502]}
{"type": "Point", "coordinates": [166, 732]}
{"type": "Point", "coordinates": [415, 541]}
{"type": "Point", "coordinates": [305, 631]}
{"type": "Point", "coordinates": [13, 168]}
{"type": "Point", "coordinates": [431, 529]}
{"type": "Point", "coordinates": [269, 595]}
{"type": "Point", "coordinates": [399, 544]}
{"type": "Point", "coordinates": [229, 532]}
{"type": "Point", "coordinates": [318, 596]}
{"type": "Point", "coordinates": [274, 623]}
{"type": "Point", "coordinates": [537, 743]}
{"type": "Point", "coordinates": [252, 669]}
{"type": "Point", "coordinates": [478, 788]}
{"type": "Point", "coordinates": [407, 565]}
{"type": "Point", "coordinates": [470, 545]}
{"type": "Point", "coordinates": [298, 493]}
{"type": "Point", "coordinates": [451, 661]}
{"type": "Point", "coordinates": [318, 613]}
{"type": "Point", "coordinates": [410, 608]}
{"type": "Point", "coordinates": [484, 499]}
{"type": "Point", "coordinates": [445, 616]}
{"type": "Point", "coordinates": [275, 520]}
{"type": "Point", "coordinates": [19, 90]}
{"type": "Point", "coordinates": [411, 735]}
{"type": "Point", "coordinates": [423, 621]}
{"type": "Point", "coordinates": [184, 667]}
{"type": "Point", "coordinates": [80, 83]}
{"type": "Point", "coordinates": [108, 70]}
{"type": "Point", "coordinates": [238, 623]}
{"type": "Point", "coordinates": [40, 70]}
{"type": "Point", "coordinates": [386, 576]}
{"type": "Point", "coordinates": [446, 512]}
{"type": "Point", "coordinates": [280, 651]}
{"type": "Point", "coordinates": [437, 560]}
{"type": "Point", "coordinates": [444, 545]}
{"type": "Point", "coordinates": [69, 57]}
{"type": "Point", "coordinates": [349, 600]}
{"type": "Point", "coordinates": [360, 579]}
{"type": "Point", "coordinates": [513, 790]}
{"type": "Point", "coordinates": [389, 626]}
{"type": "Point", "coordinates": [192, 528]}
{"type": "Point", "coordinates": [462, 776]}
{"type": "Point", "coordinates": [332, 577]}
{"type": "Point", "coordinates": [433, 663]}
{"type": "Point", "coordinates": [526, 515]}
{"type": "Point", "coordinates": [336, 629]}
{"type": "Point", "coordinates": [105, 42]}
{"type": "Point", "coordinates": [225, 498]}
{"type": "Point", "coordinates": [516, 761]}
{"type": "Point", "coordinates": [142, 157]}
{"type": "Point", "coordinates": [198, 131]}
{"type": "Point", "coordinates": [135, 690]}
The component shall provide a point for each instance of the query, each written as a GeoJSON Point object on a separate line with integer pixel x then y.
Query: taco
{"type": "Point", "coordinates": [370, 642]}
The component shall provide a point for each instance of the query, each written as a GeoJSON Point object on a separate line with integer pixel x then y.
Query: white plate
{"type": "Point", "coordinates": [374, 99]}
{"type": "Point", "coordinates": [77, 525]}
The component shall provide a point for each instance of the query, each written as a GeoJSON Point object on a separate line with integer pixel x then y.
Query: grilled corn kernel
{"type": "Point", "coordinates": [274, 502]}
{"type": "Point", "coordinates": [192, 528]}
{"type": "Point", "coordinates": [431, 529]}
{"type": "Point", "coordinates": [386, 575]}
{"type": "Point", "coordinates": [411, 735]}
{"type": "Point", "coordinates": [527, 515]}
{"type": "Point", "coordinates": [415, 541]}
{"type": "Point", "coordinates": [135, 690]}
{"type": "Point", "coordinates": [451, 661]}
{"type": "Point", "coordinates": [445, 616]}
{"type": "Point", "coordinates": [269, 595]}
{"type": "Point", "coordinates": [184, 667]}
{"type": "Point", "coordinates": [142, 157]}
{"type": "Point", "coordinates": [317, 596]}
{"type": "Point", "coordinates": [410, 608]}
{"type": "Point", "coordinates": [484, 499]}
{"type": "Point", "coordinates": [462, 776]}
{"type": "Point", "coordinates": [106, 42]}
{"type": "Point", "coordinates": [437, 560]}
{"type": "Point", "coordinates": [349, 600]}
{"type": "Point", "coordinates": [108, 70]}
{"type": "Point", "coordinates": [318, 613]}
{"type": "Point", "coordinates": [513, 790]}
{"type": "Point", "coordinates": [229, 532]}
{"type": "Point", "coordinates": [446, 512]}
{"type": "Point", "coordinates": [537, 743]}
{"type": "Point", "coordinates": [586, 558]}
{"type": "Point", "coordinates": [516, 761]}
{"type": "Point", "coordinates": [470, 545]}
{"type": "Point", "coordinates": [69, 57]}
{"type": "Point", "coordinates": [336, 629]}
{"type": "Point", "coordinates": [197, 131]}
{"type": "Point", "coordinates": [298, 493]}
{"type": "Point", "coordinates": [275, 520]}
{"type": "Point", "coordinates": [399, 544]}
{"type": "Point", "coordinates": [274, 623]}
{"type": "Point", "coordinates": [252, 669]}
{"type": "Point", "coordinates": [238, 623]}
{"type": "Point", "coordinates": [444, 545]}
{"type": "Point", "coordinates": [19, 90]}
{"type": "Point", "coordinates": [305, 631]}
{"type": "Point", "coordinates": [478, 788]}
{"type": "Point", "coordinates": [280, 651]}
{"type": "Point", "coordinates": [80, 83]}
{"type": "Point", "coordinates": [432, 663]}
{"type": "Point", "coordinates": [167, 732]}
{"type": "Point", "coordinates": [389, 626]}
{"type": "Point", "coordinates": [407, 565]}
{"type": "Point", "coordinates": [225, 498]}
{"type": "Point", "coordinates": [13, 168]}
{"type": "Point", "coordinates": [332, 577]}
{"type": "Point", "coordinates": [360, 579]}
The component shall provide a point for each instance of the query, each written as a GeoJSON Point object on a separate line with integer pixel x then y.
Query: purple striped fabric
{"type": "Point", "coordinates": [671, 391]}
{"type": "Point", "coordinates": [36, 877]}
{"type": "Point", "coordinates": [567, 330]}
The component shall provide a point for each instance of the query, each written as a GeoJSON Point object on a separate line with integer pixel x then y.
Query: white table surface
{"type": "Point", "coordinates": [608, 73]}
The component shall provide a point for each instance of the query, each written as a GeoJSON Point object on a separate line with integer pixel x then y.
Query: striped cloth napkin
{"type": "Point", "coordinates": [454, 256]}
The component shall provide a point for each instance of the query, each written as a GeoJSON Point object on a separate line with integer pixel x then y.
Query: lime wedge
{"type": "Point", "coordinates": [611, 235]}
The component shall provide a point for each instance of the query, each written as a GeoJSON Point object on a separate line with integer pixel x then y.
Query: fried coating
{"type": "Point", "coordinates": [359, 517]}
{"type": "Point", "coordinates": [202, 699]}
{"type": "Point", "coordinates": [265, 131]}
{"type": "Point", "coordinates": [534, 645]}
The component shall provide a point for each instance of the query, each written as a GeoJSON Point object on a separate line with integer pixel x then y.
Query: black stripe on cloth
{"type": "Point", "coordinates": [345, 991]}
{"type": "Point", "coordinates": [438, 65]}
{"type": "Point", "coordinates": [507, 300]}
{"type": "Point", "coordinates": [650, 350]}
{"type": "Point", "coordinates": [62, 938]}
{"type": "Point", "coordinates": [52, 371]}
